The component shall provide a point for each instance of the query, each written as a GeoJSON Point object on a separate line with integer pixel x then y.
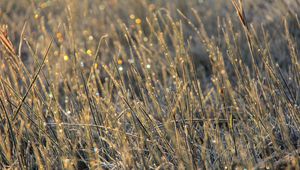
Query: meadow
{"type": "Point", "coordinates": [149, 84]}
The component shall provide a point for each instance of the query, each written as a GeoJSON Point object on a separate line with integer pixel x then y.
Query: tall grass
{"type": "Point", "coordinates": [141, 84]}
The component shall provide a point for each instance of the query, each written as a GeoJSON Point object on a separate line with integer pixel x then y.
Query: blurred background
{"type": "Point", "coordinates": [80, 24]}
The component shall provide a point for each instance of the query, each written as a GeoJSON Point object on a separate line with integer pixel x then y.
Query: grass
{"type": "Point", "coordinates": [142, 84]}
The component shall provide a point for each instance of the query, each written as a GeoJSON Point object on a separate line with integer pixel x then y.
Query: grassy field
{"type": "Point", "coordinates": [149, 84]}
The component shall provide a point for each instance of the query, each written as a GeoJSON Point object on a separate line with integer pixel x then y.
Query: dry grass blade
{"type": "Point", "coordinates": [11, 131]}
{"type": "Point", "coordinates": [32, 82]}
{"type": "Point", "coordinates": [240, 11]}
{"type": "Point", "coordinates": [5, 40]}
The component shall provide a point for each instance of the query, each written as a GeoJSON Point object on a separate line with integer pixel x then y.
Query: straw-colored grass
{"type": "Point", "coordinates": [140, 84]}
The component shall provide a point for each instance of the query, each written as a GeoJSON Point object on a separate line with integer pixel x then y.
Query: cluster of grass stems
{"type": "Point", "coordinates": [139, 99]}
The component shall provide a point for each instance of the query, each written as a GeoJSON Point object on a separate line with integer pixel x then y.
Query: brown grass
{"type": "Point", "coordinates": [141, 84]}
